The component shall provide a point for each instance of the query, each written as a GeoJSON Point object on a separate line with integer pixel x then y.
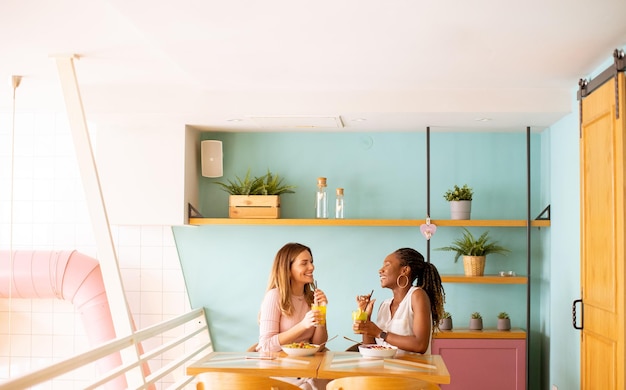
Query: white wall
{"type": "Point", "coordinates": [44, 191]}
{"type": "Point", "coordinates": [141, 173]}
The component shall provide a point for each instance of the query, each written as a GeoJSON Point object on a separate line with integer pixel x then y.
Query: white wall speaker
{"type": "Point", "coordinates": [211, 156]}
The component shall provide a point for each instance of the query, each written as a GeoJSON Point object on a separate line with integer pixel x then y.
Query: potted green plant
{"type": "Point", "coordinates": [255, 196]}
{"type": "Point", "coordinates": [460, 199]}
{"type": "Point", "coordinates": [446, 321]}
{"type": "Point", "coordinates": [273, 185]}
{"type": "Point", "coordinates": [474, 251]}
{"type": "Point", "coordinates": [476, 321]}
{"type": "Point", "coordinates": [504, 322]}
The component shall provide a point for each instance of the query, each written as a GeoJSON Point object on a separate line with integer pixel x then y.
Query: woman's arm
{"type": "Point", "coordinates": [420, 322]}
{"type": "Point", "coordinates": [270, 336]}
{"type": "Point", "coordinates": [421, 326]}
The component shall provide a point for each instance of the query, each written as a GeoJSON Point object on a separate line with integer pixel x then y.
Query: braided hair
{"type": "Point", "coordinates": [427, 277]}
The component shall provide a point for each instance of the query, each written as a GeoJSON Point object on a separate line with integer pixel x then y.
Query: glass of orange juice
{"type": "Point", "coordinates": [359, 316]}
{"type": "Point", "coordinates": [322, 310]}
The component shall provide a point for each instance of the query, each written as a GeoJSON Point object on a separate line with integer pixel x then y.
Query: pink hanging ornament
{"type": "Point", "coordinates": [428, 229]}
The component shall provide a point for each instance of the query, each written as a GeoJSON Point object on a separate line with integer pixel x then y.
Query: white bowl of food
{"type": "Point", "coordinates": [377, 351]}
{"type": "Point", "coordinates": [300, 349]}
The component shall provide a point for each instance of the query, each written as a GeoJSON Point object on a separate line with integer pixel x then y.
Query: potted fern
{"type": "Point", "coordinates": [476, 321]}
{"type": "Point", "coordinates": [474, 251]}
{"type": "Point", "coordinates": [255, 196]}
{"type": "Point", "coordinates": [504, 322]}
{"type": "Point", "coordinates": [460, 199]}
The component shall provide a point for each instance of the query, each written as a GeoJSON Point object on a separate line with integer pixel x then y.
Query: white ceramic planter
{"type": "Point", "coordinates": [460, 209]}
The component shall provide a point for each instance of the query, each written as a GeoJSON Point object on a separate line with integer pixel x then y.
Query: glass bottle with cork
{"type": "Point", "coordinates": [339, 204]}
{"type": "Point", "coordinates": [321, 199]}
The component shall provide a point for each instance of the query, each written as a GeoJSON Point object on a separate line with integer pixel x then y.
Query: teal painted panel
{"type": "Point", "coordinates": [493, 165]}
{"type": "Point", "coordinates": [383, 174]}
{"type": "Point", "coordinates": [226, 267]}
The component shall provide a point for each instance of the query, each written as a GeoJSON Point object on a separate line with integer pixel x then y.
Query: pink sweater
{"type": "Point", "coordinates": [272, 321]}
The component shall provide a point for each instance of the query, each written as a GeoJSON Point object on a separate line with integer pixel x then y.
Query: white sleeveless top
{"type": "Point", "coordinates": [402, 321]}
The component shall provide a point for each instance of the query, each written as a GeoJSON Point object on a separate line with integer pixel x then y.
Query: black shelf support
{"type": "Point", "coordinates": [544, 215]}
{"type": "Point", "coordinates": [428, 187]}
{"type": "Point", "coordinates": [528, 259]}
{"type": "Point", "coordinates": [193, 212]}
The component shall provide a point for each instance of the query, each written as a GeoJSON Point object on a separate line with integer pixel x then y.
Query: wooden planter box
{"type": "Point", "coordinates": [254, 206]}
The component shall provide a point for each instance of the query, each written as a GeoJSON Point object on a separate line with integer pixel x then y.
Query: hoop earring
{"type": "Point", "coordinates": [398, 281]}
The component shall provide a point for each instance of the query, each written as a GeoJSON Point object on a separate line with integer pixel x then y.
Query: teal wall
{"type": "Point", "coordinates": [384, 174]}
{"type": "Point", "coordinates": [562, 278]}
{"type": "Point", "coordinates": [226, 267]}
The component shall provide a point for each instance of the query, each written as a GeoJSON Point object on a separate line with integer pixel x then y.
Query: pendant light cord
{"type": "Point", "coordinates": [15, 82]}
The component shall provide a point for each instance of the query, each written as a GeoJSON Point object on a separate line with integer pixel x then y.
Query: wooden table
{"type": "Point", "coordinates": [327, 365]}
{"type": "Point", "coordinates": [429, 368]}
{"type": "Point", "coordinates": [258, 363]}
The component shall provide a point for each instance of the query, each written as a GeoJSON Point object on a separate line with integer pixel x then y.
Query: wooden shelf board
{"type": "Point", "coordinates": [305, 222]}
{"type": "Point", "coordinates": [465, 333]}
{"type": "Point", "coordinates": [489, 222]}
{"type": "Point", "coordinates": [362, 222]}
{"type": "Point", "coordinates": [487, 279]}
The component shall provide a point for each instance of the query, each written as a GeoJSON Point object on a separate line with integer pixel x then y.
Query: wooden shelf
{"type": "Point", "coordinates": [365, 222]}
{"type": "Point", "coordinates": [487, 279]}
{"type": "Point", "coordinates": [465, 333]}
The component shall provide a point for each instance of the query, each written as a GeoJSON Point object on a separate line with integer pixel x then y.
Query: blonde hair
{"type": "Point", "coordinates": [280, 276]}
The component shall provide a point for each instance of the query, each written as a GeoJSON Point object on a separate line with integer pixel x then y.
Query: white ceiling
{"type": "Point", "coordinates": [397, 64]}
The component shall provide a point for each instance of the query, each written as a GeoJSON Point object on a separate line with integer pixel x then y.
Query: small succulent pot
{"type": "Point", "coordinates": [445, 323]}
{"type": "Point", "coordinates": [476, 324]}
{"type": "Point", "coordinates": [504, 324]}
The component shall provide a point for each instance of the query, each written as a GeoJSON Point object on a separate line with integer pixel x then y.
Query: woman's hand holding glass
{"type": "Point", "coordinates": [319, 307]}
{"type": "Point", "coordinates": [366, 328]}
{"type": "Point", "coordinates": [363, 314]}
{"type": "Point", "coordinates": [311, 319]}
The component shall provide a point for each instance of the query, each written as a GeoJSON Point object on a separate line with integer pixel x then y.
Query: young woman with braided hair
{"type": "Point", "coordinates": [409, 318]}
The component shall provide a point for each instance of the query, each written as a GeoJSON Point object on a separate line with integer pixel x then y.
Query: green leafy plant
{"type": "Point", "coordinates": [446, 314]}
{"type": "Point", "coordinates": [476, 315]}
{"type": "Point", "coordinates": [503, 315]}
{"type": "Point", "coordinates": [468, 245]}
{"type": "Point", "coordinates": [273, 185]}
{"type": "Point", "coordinates": [268, 184]}
{"type": "Point", "coordinates": [459, 193]}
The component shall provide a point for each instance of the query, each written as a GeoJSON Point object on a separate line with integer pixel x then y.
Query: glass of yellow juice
{"type": "Point", "coordinates": [322, 310]}
{"type": "Point", "coordinates": [359, 316]}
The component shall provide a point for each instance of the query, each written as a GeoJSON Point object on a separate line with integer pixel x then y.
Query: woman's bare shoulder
{"type": "Point", "coordinates": [419, 295]}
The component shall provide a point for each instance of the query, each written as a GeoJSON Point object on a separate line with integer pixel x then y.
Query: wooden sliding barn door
{"type": "Point", "coordinates": [602, 169]}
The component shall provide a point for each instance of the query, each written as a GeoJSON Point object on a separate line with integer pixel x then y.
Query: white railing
{"type": "Point", "coordinates": [188, 331]}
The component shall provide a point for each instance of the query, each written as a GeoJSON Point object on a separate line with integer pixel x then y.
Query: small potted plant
{"type": "Point", "coordinates": [446, 321]}
{"type": "Point", "coordinates": [476, 321]}
{"type": "Point", "coordinates": [474, 251]}
{"type": "Point", "coordinates": [255, 196]}
{"type": "Point", "coordinates": [504, 322]}
{"type": "Point", "coordinates": [460, 199]}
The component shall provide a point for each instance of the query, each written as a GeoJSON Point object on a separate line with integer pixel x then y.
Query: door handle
{"type": "Point", "coordinates": [582, 314]}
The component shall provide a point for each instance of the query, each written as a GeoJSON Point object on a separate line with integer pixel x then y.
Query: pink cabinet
{"type": "Point", "coordinates": [484, 363]}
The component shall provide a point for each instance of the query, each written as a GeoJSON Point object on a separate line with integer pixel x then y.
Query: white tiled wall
{"type": "Point", "coordinates": [42, 207]}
